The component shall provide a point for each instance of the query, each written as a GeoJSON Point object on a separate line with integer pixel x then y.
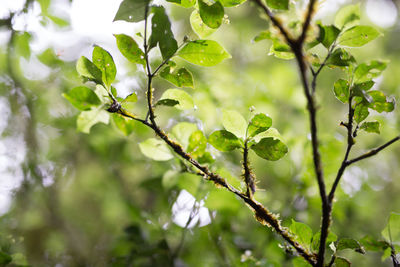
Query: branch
{"type": "Point", "coordinates": [249, 178]}
{"type": "Point", "coordinates": [374, 151]}
{"type": "Point", "coordinates": [307, 21]}
{"type": "Point", "coordinates": [323, 64]}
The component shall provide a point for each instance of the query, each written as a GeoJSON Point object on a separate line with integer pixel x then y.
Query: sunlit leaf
{"type": "Point", "coordinates": [360, 113]}
{"type": "Point", "coordinates": [183, 3]}
{"type": "Point", "coordinates": [125, 125]}
{"type": "Point", "coordinates": [22, 44]}
{"type": "Point", "coordinates": [198, 26]}
{"type": "Point", "coordinates": [155, 149]}
{"type": "Point", "coordinates": [348, 243]}
{"type": "Point", "coordinates": [332, 237]}
{"type": "Point", "coordinates": [341, 89]}
{"type": "Point", "coordinates": [392, 230]}
{"type": "Point", "coordinates": [82, 98]}
{"type": "Point", "coordinates": [328, 34]}
{"type": "Point", "coordinates": [367, 71]}
{"type": "Point", "coordinates": [88, 70]}
{"type": "Point", "coordinates": [231, 3]}
{"type": "Point", "coordinates": [234, 122]}
{"type": "Point", "coordinates": [197, 144]}
{"type": "Point", "coordinates": [371, 244]}
{"type": "Point", "coordinates": [184, 99]}
{"type": "Point", "coordinates": [258, 124]}
{"type": "Point", "coordinates": [167, 102]}
{"type": "Point", "coordinates": [130, 49]}
{"type": "Point", "coordinates": [278, 4]}
{"type": "Point", "coordinates": [302, 232]}
{"type": "Point", "coordinates": [224, 141]}
{"type": "Point", "coordinates": [379, 102]}
{"type": "Point", "coordinates": [348, 16]}
{"type": "Point", "coordinates": [89, 118]}
{"type": "Point", "coordinates": [264, 35]}
{"type": "Point", "coordinates": [270, 149]}
{"type": "Point", "coordinates": [281, 50]}
{"type": "Point", "coordinates": [181, 77]}
{"type": "Point", "coordinates": [342, 262]}
{"type": "Point", "coordinates": [132, 98]}
{"type": "Point", "coordinates": [340, 58]}
{"type": "Point", "coordinates": [358, 36]}
{"type": "Point", "coordinates": [211, 15]}
{"type": "Point", "coordinates": [182, 131]}
{"type": "Point", "coordinates": [131, 10]}
{"type": "Point", "coordinates": [104, 62]}
{"type": "Point", "coordinates": [203, 52]}
{"type": "Point", "coordinates": [371, 127]}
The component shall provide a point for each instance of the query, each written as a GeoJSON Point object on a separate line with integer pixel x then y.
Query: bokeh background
{"type": "Point", "coordinates": [73, 199]}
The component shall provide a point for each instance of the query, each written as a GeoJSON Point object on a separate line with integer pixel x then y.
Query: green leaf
{"type": "Point", "coordinates": [392, 230]}
{"type": "Point", "coordinates": [60, 22]}
{"type": "Point", "coordinates": [370, 244]}
{"type": "Point", "coordinates": [224, 141]}
{"type": "Point", "coordinates": [125, 125]}
{"type": "Point", "coordinates": [332, 237]}
{"type": "Point", "coordinates": [340, 58]}
{"type": "Point", "coordinates": [280, 50]}
{"type": "Point", "coordinates": [327, 34]}
{"type": "Point", "coordinates": [258, 124]}
{"type": "Point", "coordinates": [167, 102]}
{"type": "Point", "coordinates": [342, 262]}
{"type": "Point", "coordinates": [130, 49]}
{"type": "Point", "coordinates": [349, 243]}
{"type": "Point", "coordinates": [182, 131]}
{"type": "Point", "coordinates": [82, 98]}
{"type": "Point", "coordinates": [303, 233]}
{"type": "Point", "coordinates": [184, 99]}
{"type": "Point", "coordinates": [4, 259]}
{"type": "Point", "coordinates": [197, 144]}
{"type": "Point", "coordinates": [161, 33]}
{"type": "Point", "coordinates": [371, 127]}
{"type": "Point", "coordinates": [367, 71]}
{"type": "Point", "coordinates": [278, 4]}
{"type": "Point", "coordinates": [203, 52]}
{"type": "Point", "coordinates": [270, 149]}
{"type": "Point", "coordinates": [365, 86]}
{"type": "Point", "coordinates": [198, 26]}
{"type": "Point", "coordinates": [358, 36]}
{"type": "Point", "coordinates": [88, 70]}
{"type": "Point", "coordinates": [89, 118]}
{"type": "Point", "coordinates": [181, 77]}
{"type": "Point", "coordinates": [183, 3]}
{"type": "Point", "coordinates": [264, 35]}
{"type": "Point", "coordinates": [300, 262]}
{"type": "Point", "coordinates": [21, 44]}
{"type": "Point", "coordinates": [360, 112]}
{"type": "Point", "coordinates": [234, 122]}
{"type": "Point", "coordinates": [231, 3]}
{"type": "Point", "coordinates": [104, 61]}
{"type": "Point", "coordinates": [131, 10]}
{"type": "Point", "coordinates": [379, 102]}
{"type": "Point", "coordinates": [341, 89]}
{"type": "Point", "coordinates": [211, 15]}
{"type": "Point", "coordinates": [132, 98]}
{"type": "Point", "coordinates": [49, 58]}
{"type": "Point", "coordinates": [102, 94]}
{"type": "Point", "coordinates": [155, 149]}
{"type": "Point", "coordinates": [348, 16]}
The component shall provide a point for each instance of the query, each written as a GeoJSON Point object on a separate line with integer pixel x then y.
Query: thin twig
{"type": "Point", "coordinates": [248, 176]}
{"type": "Point", "coordinates": [317, 72]}
{"type": "Point", "coordinates": [307, 21]}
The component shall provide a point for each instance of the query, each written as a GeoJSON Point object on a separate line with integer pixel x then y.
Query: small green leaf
{"type": "Point", "coordinates": [303, 233]}
{"type": "Point", "coordinates": [88, 70]}
{"type": "Point", "coordinates": [270, 149]}
{"type": "Point", "coordinates": [360, 112]}
{"type": "Point", "coordinates": [365, 86]}
{"type": "Point", "coordinates": [161, 33]}
{"type": "Point", "coordinates": [211, 15]}
{"type": "Point", "coordinates": [104, 61]}
{"type": "Point", "coordinates": [198, 26]}
{"type": "Point", "coordinates": [181, 77]}
{"type": "Point", "coordinates": [49, 58]}
{"type": "Point", "coordinates": [197, 144]}
{"type": "Point", "coordinates": [258, 124]}
{"type": "Point", "coordinates": [342, 262]}
{"type": "Point", "coordinates": [21, 44]}
{"type": "Point", "coordinates": [278, 4]}
{"type": "Point", "coordinates": [182, 132]}
{"type": "Point", "coordinates": [183, 3]}
{"type": "Point", "coordinates": [348, 16]}
{"type": "Point", "coordinates": [234, 122]}
{"type": "Point", "coordinates": [184, 99]}
{"type": "Point", "coordinates": [370, 244]}
{"type": "Point", "coordinates": [89, 118]}
{"type": "Point", "coordinates": [340, 58]}
{"type": "Point", "coordinates": [102, 94]}
{"type": "Point", "coordinates": [264, 35]}
{"type": "Point", "coordinates": [204, 53]}
{"type": "Point", "coordinates": [392, 230]}
{"type": "Point", "coordinates": [332, 237]}
{"type": "Point", "coordinates": [367, 71]}
{"type": "Point", "coordinates": [131, 10]}
{"type": "Point", "coordinates": [349, 243]}
{"type": "Point", "coordinates": [280, 50]}
{"type": "Point", "coordinates": [231, 3]}
{"type": "Point", "coordinates": [379, 102]}
{"type": "Point", "coordinates": [300, 262]}
{"type": "Point", "coordinates": [130, 49]}
{"type": "Point", "coordinates": [132, 98]}
{"type": "Point", "coordinates": [125, 125]}
{"type": "Point", "coordinates": [82, 98]}
{"type": "Point", "coordinates": [224, 141]}
{"type": "Point", "coordinates": [341, 89]}
{"type": "Point", "coordinates": [371, 127]}
{"type": "Point", "coordinates": [155, 149]}
{"type": "Point", "coordinates": [167, 102]}
{"type": "Point", "coordinates": [358, 36]}
{"type": "Point", "coordinates": [328, 34]}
